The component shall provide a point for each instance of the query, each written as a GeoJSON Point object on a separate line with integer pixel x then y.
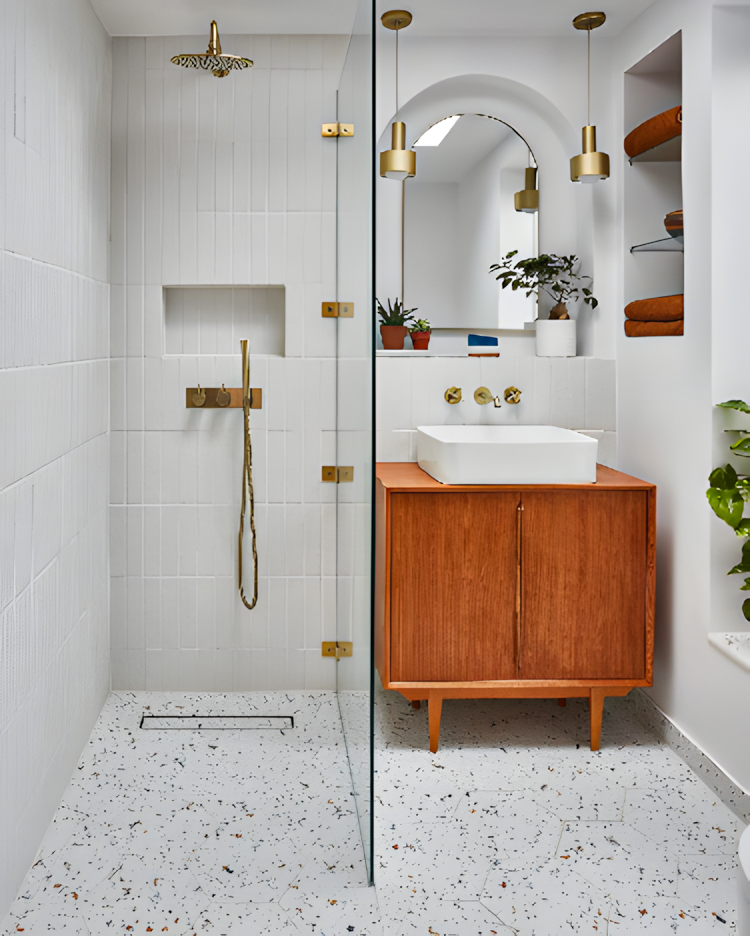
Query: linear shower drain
{"type": "Point", "coordinates": [216, 722]}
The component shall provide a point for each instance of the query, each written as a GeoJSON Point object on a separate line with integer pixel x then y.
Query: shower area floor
{"type": "Point", "coordinates": [204, 831]}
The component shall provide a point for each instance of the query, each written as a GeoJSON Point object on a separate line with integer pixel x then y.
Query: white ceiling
{"type": "Point", "coordinates": [300, 17]}
{"type": "Point", "coordinates": [243, 17]}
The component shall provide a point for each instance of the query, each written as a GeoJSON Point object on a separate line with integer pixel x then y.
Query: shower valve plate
{"type": "Point", "coordinates": [192, 396]}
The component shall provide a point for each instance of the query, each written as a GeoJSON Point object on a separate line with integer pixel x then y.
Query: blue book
{"type": "Point", "coordinates": [482, 341]}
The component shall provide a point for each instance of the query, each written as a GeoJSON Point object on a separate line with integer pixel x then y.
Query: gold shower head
{"type": "Point", "coordinates": [213, 59]}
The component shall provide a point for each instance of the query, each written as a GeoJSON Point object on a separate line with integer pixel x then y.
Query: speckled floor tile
{"type": "Point", "coordinates": [522, 772]}
{"type": "Point", "coordinates": [545, 900]}
{"type": "Point", "coordinates": [448, 918]}
{"type": "Point", "coordinates": [618, 859]}
{"type": "Point", "coordinates": [256, 919]}
{"type": "Point", "coordinates": [334, 912]}
{"type": "Point", "coordinates": [709, 883]}
{"type": "Point", "coordinates": [182, 831]}
{"type": "Point", "coordinates": [686, 824]}
{"type": "Point", "coordinates": [257, 832]}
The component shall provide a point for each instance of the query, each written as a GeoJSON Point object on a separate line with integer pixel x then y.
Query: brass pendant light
{"type": "Point", "coordinates": [589, 166]}
{"type": "Point", "coordinates": [527, 200]}
{"type": "Point", "coordinates": [398, 162]}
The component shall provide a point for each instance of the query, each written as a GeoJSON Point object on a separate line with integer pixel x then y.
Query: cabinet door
{"type": "Point", "coordinates": [454, 572]}
{"type": "Point", "coordinates": [584, 571]}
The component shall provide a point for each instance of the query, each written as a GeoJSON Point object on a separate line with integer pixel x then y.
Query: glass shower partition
{"type": "Point", "coordinates": [355, 436]}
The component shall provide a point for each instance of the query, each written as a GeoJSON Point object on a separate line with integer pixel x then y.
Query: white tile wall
{"type": "Point", "coordinates": [222, 183]}
{"type": "Point", "coordinates": [575, 393]}
{"type": "Point", "coordinates": [55, 85]}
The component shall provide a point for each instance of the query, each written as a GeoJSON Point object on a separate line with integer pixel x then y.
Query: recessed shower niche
{"type": "Point", "coordinates": [213, 319]}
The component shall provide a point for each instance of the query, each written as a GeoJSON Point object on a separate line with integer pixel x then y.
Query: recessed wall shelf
{"type": "Point", "coordinates": [663, 245]}
{"type": "Point", "coordinates": [669, 151]}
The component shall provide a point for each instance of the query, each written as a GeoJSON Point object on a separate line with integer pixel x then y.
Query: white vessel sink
{"type": "Point", "coordinates": [506, 455]}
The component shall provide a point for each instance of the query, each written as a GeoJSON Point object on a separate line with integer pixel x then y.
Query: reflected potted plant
{"type": "Point", "coordinates": [420, 332]}
{"type": "Point", "coordinates": [558, 278]}
{"type": "Point", "coordinates": [394, 324]}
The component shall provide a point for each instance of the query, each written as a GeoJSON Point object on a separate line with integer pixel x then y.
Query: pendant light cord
{"type": "Point", "coordinates": [397, 31]}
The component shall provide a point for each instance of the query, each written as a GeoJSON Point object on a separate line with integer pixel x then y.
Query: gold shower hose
{"type": "Point", "coordinates": [247, 483]}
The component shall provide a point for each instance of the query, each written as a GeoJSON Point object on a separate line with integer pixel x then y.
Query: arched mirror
{"type": "Point", "coordinates": [460, 216]}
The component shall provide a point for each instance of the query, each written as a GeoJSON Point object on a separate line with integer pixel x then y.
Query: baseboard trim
{"type": "Point", "coordinates": [728, 791]}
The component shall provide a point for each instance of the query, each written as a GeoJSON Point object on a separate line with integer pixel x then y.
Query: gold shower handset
{"type": "Point", "coordinates": [247, 483]}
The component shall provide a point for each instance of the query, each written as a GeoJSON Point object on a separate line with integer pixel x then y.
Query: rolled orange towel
{"type": "Point", "coordinates": [654, 131]}
{"type": "Point", "coordinates": [653, 329]}
{"type": "Point", "coordinates": [659, 309]}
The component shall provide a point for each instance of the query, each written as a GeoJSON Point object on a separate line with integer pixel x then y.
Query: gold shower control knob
{"type": "Point", "coordinates": [512, 395]}
{"type": "Point", "coordinates": [223, 396]}
{"type": "Point", "coordinates": [482, 396]}
{"type": "Point", "coordinates": [453, 395]}
{"type": "Point", "coordinates": [199, 397]}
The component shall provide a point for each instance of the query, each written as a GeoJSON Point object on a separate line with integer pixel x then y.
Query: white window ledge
{"type": "Point", "coordinates": [736, 646]}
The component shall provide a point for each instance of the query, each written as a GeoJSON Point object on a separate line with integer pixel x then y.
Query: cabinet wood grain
{"type": "Point", "coordinates": [513, 591]}
{"type": "Point", "coordinates": [453, 559]}
{"type": "Point", "coordinates": [583, 594]}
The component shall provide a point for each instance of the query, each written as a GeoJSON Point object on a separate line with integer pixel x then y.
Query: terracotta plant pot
{"type": "Point", "coordinates": [420, 340]}
{"type": "Point", "coordinates": [393, 337]}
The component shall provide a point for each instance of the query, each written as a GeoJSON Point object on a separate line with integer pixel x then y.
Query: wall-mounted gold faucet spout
{"type": "Point", "coordinates": [248, 496]}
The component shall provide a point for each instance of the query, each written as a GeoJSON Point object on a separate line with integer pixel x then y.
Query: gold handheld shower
{"type": "Point", "coordinates": [213, 59]}
{"type": "Point", "coordinates": [247, 482]}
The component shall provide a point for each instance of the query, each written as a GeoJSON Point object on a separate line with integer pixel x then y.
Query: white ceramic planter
{"type": "Point", "coordinates": [556, 338]}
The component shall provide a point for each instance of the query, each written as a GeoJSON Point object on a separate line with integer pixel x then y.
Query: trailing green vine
{"type": "Point", "coordinates": [727, 496]}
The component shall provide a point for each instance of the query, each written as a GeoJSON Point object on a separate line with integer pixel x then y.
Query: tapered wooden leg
{"type": "Point", "coordinates": [435, 705]}
{"type": "Point", "coordinates": [562, 702]}
{"type": "Point", "coordinates": [596, 707]}
{"type": "Point", "coordinates": [416, 704]}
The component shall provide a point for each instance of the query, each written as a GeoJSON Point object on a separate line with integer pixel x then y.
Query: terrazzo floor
{"type": "Point", "coordinates": [514, 826]}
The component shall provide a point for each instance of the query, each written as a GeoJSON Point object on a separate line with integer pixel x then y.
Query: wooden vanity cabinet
{"type": "Point", "coordinates": [513, 591]}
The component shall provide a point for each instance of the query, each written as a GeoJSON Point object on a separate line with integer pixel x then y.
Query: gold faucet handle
{"type": "Point", "coordinates": [512, 395]}
{"type": "Point", "coordinates": [483, 396]}
{"type": "Point", "coordinates": [453, 395]}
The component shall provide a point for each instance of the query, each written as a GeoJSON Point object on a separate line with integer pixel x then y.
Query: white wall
{"type": "Point", "coordinates": [667, 387]}
{"type": "Point", "coordinates": [225, 182]}
{"type": "Point", "coordinates": [54, 452]}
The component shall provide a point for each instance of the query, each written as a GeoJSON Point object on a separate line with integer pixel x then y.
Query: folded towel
{"type": "Point", "coordinates": [654, 131]}
{"type": "Point", "coordinates": [659, 309]}
{"type": "Point", "coordinates": [652, 329]}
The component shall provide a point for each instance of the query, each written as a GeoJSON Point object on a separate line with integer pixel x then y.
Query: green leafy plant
{"type": "Point", "coordinates": [396, 314]}
{"type": "Point", "coordinates": [558, 277]}
{"type": "Point", "coordinates": [419, 325]}
{"type": "Point", "coordinates": [728, 494]}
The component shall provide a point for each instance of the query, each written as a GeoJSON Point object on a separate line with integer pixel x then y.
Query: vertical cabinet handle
{"type": "Point", "coordinates": [519, 535]}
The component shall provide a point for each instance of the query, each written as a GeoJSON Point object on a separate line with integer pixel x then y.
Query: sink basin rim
{"type": "Point", "coordinates": [516, 454]}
